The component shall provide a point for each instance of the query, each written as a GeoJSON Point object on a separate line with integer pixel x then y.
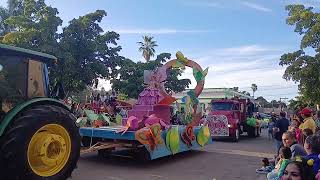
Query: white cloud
{"type": "Point", "coordinates": [256, 6]}
{"type": "Point", "coordinates": [156, 31]}
{"type": "Point", "coordinates": [240, 54]}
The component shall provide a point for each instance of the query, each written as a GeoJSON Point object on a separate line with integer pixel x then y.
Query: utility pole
{"type": "Point", "coordinates": [284, 98]}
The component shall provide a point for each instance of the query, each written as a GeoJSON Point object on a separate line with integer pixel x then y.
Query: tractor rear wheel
{"type": "Point", "coordinates": [43, 142]}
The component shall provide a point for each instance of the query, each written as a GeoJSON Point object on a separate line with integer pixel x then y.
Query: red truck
{"type": "Point", "coordinates": [228, 118]}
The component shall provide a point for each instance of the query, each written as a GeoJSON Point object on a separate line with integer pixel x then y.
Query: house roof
{"type": "Point", "coordinates": [217, 93]}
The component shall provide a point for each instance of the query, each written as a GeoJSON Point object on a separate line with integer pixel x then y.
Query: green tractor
{"type": "Point", "coordinates": [38, 135]}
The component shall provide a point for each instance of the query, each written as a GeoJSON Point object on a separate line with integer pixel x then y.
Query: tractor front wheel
{"type": "Point", "coordinates": [43, 142]}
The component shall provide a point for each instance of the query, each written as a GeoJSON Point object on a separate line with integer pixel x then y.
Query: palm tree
{"type": "Point", "coordinates": [147, 47]}
{"type": "Point", "coordinates": [254, 88]}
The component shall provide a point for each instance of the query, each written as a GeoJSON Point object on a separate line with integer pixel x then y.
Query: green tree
{"type": "Point", "coordinates": [275, 104]}
{"type": "Point", "coordinates": [89, 53]}
{"type": "Point", "coordinates": [130, 79]}
{"type": "Point", "coordinates": [245, 93]}
{"type": "Point", "coordinates": [147, 47]}
{"type": "Point", "coordinates": [36, 28]}
{"type": "Point", "coordinates": [303, 67]}
{"type": "Point", "coordinates": [263, 102]}
{"type": "Point", "coordinates": [14, 8]}
{"type": "Point", "coordinates": [254, 88]}
{"type": "Point", "coordinates": [85, 52]}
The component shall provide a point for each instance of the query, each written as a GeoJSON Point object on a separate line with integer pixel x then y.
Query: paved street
{"type": "Point", "coordinates": [221, 161]}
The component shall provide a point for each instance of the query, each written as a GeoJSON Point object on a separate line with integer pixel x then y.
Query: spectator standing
{"type": "Point", "coordinates": [271, 124]}
{"type": "Point", "coordinates": [281, 126]}
{"type": "Point", "coordinates": [250, 108]}
{"type": "Point", "coordinates": [308, 121]}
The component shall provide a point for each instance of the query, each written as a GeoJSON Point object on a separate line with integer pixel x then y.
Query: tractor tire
{"type": "Point", "coordinates": [143, 155]}
{"type": "Point", "coordinates": [251, 131]}
{"type": "Point", "coordinates": [42, 142]}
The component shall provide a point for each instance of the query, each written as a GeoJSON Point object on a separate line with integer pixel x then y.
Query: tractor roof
{"type": "Point", "coordinates": [16, 51]}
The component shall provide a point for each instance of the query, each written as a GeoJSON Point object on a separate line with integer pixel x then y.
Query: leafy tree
{"type": "Point", "coordinates": [275, 104]}
{"type": "Point", "coordinates": [15, 8]}
{"type": "Point", "coordinates": [303, 68]}
{"type": "Point", "coordinates": [254, 88]}
{"type": "Point", "coordinates": [235, 89]}
{"type": "Point", "coordinates": [36, 28]}
{"type": "Point", "coordinates": [131, 74]}
{"type": "Point", "coordinates": [245, 93]}
{"type": "Point", "coordinates": [89, 53]}
{"type": "Point", "coordinates": [263, 102]}
{"type": "Point", "coordinates": [84, 50]}
{"type": "Point", "coordinates": [147, 47]}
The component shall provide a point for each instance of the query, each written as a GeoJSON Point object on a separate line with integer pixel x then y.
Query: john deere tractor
{"type": "Point", "coordinates": [38, 135]}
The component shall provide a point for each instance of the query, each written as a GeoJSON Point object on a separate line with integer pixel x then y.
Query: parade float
{"type": "Point", "coordinates": [148, 128]}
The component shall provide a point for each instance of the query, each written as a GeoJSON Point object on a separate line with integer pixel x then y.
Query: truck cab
{"type": "Point", "coordinates": [227, 118]}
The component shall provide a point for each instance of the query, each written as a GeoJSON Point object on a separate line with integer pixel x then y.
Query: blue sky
{"type": "Point", "coordinates": [240, 41]}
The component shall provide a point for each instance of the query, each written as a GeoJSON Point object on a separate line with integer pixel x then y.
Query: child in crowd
{"type": "Point", "coordinates": [270, 129]}
{"type": "Point", "coordinates": [277, 172]}
{"type": "Point", "coordinates": [305, 133]}
{"type": "Point", "coordinates": [294, 127]}
{"type": "Point", "coordinates": [312, 147]}
{"type": "Point", "coordinates": [266, 167]}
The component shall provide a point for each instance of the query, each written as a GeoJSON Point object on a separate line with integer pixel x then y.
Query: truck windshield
{"type": "Point", "coordinates": [13, 81]}
{"type": "Point", "coordinates": [222, 106]}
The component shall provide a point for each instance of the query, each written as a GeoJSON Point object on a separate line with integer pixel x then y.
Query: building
{"type": "Point", "coordinates": [211, 93]}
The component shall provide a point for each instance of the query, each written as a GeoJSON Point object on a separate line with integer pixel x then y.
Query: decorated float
{"type": "Point", "coordinates": [148, 127]}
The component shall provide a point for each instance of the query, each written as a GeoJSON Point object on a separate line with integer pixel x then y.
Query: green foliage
{"type": "Point", "coordinates": [301, 67]}
{"type": "Point", "coordinates": [88, 52]}
{"type": "Point", "coordinates": [246, 93]}
{"type": "Point", "coordinates": [263, 102]}
{"type": "Point", "coordinates": [84, 50]}
{"type": "Point", "coordinates": [296, 104]}
{"type": "Point", "coordinates": [147, 47]}
{"type": "Point", "coordinates": [15, 8]}
{"type": "Point", "coordinates": [130, 81]}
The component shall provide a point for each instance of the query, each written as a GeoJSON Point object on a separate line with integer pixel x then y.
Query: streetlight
{"type": "Point", "coordinates": [281, 103]}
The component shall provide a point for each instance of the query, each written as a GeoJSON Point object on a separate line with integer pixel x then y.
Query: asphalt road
{"type": "Point", "coordinates": [222, 160]}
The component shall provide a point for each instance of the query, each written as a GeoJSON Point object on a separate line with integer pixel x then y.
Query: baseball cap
{"type": "Point", "coordinates": [306, 111]}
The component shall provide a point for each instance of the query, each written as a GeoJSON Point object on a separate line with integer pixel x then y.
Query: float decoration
{"type": "Point", "coordinates": [188, 136]}
{"type": "Point", "coordinates": [199, 75]}
{"type": "Point", "coordinates": [131, 124]}
{"type": "Point", "coordinates": [150, 136]}
{"type": "Point", "coordinates": [149, 120]}
{"type": "Point", "coordinates": [203, 135]}
{"type": "Point", "coordinates": [173, 140]}
{"type": "Point", "coordinates": [180, 62]}
{"type": "Point", "coordinates": [251, 122]}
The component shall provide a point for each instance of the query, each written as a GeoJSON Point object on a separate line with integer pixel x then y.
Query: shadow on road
{"type": "Point", "coordinates": [125, 158]}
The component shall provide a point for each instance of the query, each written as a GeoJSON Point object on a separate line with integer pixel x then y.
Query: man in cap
{"type": "Point", "coordinates": [308, 122]}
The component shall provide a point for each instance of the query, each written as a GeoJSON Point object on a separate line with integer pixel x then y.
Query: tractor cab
{"type": "Point", "coordinates": [23, 75]}
{"type": "Point", "coordinates": [46, 139]}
